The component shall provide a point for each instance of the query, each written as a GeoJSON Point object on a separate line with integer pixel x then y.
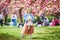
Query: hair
{"type": "Point", "coordinates": [29, 9]}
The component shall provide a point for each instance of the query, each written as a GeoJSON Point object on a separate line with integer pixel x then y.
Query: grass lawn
{"type": "Point", "coordinates": [41, 33]}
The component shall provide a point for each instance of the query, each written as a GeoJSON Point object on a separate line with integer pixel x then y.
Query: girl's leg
{"type": "Point", "coordinates": [30, 37]}
{"type": "Point", "coordinates": [22, 36]}
{"type": "Point", "coordinates": [14, 22]}
{"type": "Point", "coordinates": [1, 22]}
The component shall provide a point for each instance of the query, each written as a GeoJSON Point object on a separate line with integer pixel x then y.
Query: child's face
{"type": "Point", "coordinates": [52, 19]}
{"type": "Point", "coordinates": [29, 20]}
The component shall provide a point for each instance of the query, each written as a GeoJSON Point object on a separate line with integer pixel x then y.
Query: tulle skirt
{"type": "Point", "coordinates": [27, 29]}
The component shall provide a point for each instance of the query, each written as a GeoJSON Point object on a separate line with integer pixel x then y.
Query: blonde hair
{"type": "Point", "coordinates": [29, 9]}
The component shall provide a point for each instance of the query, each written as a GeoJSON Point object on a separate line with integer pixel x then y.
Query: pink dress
{"type": "Point", "coordinates": [59, 22]}
{"type": "Point", "coordinates": [53, 23]}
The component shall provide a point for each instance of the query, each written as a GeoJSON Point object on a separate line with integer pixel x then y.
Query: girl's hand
{"type": "Point", "coordinates": [28, 27]}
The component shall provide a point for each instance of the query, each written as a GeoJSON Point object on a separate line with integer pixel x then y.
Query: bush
{"type": "Point", "coordinates": [8, 19]}
{"type": "Point", "coordinates": [37, 19]}
{"type": "Point", "coordinates": [50, 17]}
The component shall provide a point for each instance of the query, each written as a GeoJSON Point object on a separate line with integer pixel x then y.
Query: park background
{"type": "Point", "coordinates": [51, 9]}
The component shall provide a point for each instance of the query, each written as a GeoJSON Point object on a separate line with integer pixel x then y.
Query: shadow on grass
{"type": "Point", "coordinates": [53, 35]}
{"type": "Point", "coordinates": [47, 37]}
{"type": "Point", "coordinates": [39, 38]}
{"type": "Point", "coordinates": [6, 36]}
{"type": "Point", "coordinates": [53, 32]}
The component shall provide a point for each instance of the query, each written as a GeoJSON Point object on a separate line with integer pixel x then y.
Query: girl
{"type": "Point", "coordinates": [28, 26]}
{"type": "Point", "coordinates": [14, 19]}
{"type": "Point", "coordinates": [53, 23]}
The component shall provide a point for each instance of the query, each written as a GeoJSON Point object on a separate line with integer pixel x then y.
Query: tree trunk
{"type": "Point", "coordinates": [5, 15]}
{"type": "Point", "coordinates": [6, 19]}
{"type": "Point", "coordinates": [20, 15]}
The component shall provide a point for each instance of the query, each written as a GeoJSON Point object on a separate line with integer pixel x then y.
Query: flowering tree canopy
{"type": "Point", "coordinates": [37, 5]}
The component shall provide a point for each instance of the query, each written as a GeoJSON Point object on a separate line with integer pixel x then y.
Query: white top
{"type": "Point", "coordinates": [29, 17]}
{"type": "Point", "coordinates": [46, 20]}
{"type": "Point", "coordinates": [14, 16]}
{"type": "Point", "coordinates": [1, 16]}
{"type": "Point", "coordinates": [29, 23]}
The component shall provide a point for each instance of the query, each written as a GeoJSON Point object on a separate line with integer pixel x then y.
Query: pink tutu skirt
{"type": "Point", "coordinates": [25, 29]}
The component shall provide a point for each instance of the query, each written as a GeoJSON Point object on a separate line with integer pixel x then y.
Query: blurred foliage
{"type": "Point", "coordinates": [37, 19]}
{"type": "Point", "coordinates": [50, 17]}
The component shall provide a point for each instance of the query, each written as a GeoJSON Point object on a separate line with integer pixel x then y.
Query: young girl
{"type": "Point", "coordinates": [28, 26]}
{"type": "Point", "coordinates": [53, 23]}
{"type": "Point", "coordinates": [14, 19]}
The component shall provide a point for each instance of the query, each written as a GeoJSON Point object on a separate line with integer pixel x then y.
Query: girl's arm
{"type": "Point", "coordinates": [25, 16]}
{"type": "Point", "coordinates": [32, 17]}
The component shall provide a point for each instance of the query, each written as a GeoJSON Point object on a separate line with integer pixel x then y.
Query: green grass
{"type": "Point", "coordinates": [41, 33]}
